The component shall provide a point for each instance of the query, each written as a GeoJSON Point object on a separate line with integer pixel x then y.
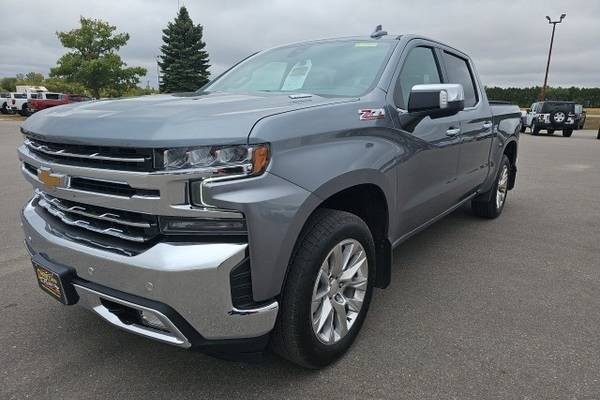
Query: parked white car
{"type": "Point", "coordinates": [4, 102]}
{"type": "Point", "coordinates": [19, 102]}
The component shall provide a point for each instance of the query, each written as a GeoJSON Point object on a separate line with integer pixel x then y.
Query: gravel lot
{"type": "Point", "coordinates": [477, 309]}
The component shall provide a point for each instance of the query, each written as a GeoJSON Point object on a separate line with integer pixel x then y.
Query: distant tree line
{"type": "Point", "coordinates": [524, 97]}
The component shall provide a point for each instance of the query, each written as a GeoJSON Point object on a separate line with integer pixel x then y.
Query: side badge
{"type": "Point", "coordinates": [368, 114]}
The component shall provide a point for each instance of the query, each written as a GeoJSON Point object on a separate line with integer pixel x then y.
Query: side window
{"type": "Point", "coordinates": [420, 67]}
{"type": "Point", "coordinates": [459, 72]}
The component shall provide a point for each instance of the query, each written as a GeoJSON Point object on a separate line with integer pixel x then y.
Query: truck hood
{"type": "Point", "coordinates": [165, 120]}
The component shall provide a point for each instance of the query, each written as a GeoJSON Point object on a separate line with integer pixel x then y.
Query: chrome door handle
{"type": "Point", "coordinates": [487, 125]}
{"type": "Point", "coordinates": [452, 131]}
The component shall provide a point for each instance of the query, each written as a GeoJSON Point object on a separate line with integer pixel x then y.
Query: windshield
{"type": "Point", "coordinates": [341, 68]}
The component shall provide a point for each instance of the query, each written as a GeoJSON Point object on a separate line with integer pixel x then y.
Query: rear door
{"type": "Point", "coordinates": [476, 128]}
{"type": "Point", "coordinates": [427, 178]}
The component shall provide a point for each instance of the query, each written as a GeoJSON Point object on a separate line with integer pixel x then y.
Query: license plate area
{"type": "Point", "coordinates": [56, 281]}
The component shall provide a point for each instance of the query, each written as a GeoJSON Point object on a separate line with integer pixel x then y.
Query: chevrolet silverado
{"type": "Point", "coordinates": [261, 211]}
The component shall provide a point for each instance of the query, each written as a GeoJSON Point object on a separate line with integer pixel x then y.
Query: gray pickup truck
{"type": "Point", "coordinates": [261, 211]}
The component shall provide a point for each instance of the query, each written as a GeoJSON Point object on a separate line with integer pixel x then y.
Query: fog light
{"type": "Point", "coordinates": [151, 320]}
{"type": "Point", "coordinates": [205, 226]}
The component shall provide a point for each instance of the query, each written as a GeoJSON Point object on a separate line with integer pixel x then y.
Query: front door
{"type": "Point", "coordinates": [427, 178]}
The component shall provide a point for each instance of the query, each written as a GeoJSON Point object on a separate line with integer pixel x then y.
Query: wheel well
{"type": "Point", "coordinates": [368, 202]}
{"type": "Point", "coordinates": [511, 152]}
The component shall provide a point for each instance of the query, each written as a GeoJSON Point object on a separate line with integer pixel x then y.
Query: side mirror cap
{"type": "Point", "coordinates": [438, 99]}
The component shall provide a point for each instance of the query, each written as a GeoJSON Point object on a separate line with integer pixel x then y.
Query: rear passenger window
{"type": "Point", "coordinates": [419, 68]}
{"type": "Point", "coordinates": [459, 72]}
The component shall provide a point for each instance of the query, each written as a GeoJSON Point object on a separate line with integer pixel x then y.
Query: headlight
{"type": "Point", "coordinates": [218, 160]}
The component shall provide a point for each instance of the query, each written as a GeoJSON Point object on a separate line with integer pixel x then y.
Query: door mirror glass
{"type": "Point", "coordinates": [437, 99]}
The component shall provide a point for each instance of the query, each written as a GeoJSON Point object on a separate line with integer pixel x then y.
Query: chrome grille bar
{"type": "Point", "coordinates": [118, 233]}
{"type": "Point", "coordinates": [94, 156]}
{"type": "Point", "coordinates": [81, 210]}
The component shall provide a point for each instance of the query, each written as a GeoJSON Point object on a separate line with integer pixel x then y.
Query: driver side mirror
{"type": "Point", "coordinates": [440, 99]}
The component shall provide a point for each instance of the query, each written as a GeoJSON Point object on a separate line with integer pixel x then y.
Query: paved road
{"type": "Point", "coordinates": [477, 309]}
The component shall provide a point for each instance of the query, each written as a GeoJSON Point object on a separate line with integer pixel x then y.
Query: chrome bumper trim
{"type": "Point", "coordinates": [193, 279]}
{"type": "Point", "coordinates": [90, 299]}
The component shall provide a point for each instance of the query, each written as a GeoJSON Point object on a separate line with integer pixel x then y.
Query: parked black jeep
{"type": "Point", "coordinates": [554, 116]}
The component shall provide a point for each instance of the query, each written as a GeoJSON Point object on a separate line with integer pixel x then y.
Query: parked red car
{"type": "Point", "coordinates": [49, 99]}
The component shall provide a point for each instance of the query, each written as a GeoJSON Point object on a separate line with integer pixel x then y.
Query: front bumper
{"type": "Point", "coordinates": [190, 279]}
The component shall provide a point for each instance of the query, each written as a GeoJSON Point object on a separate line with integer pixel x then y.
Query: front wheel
{"type": "Point", "coordinates": [567, 132]}
{"type": "Point", "coordinates": [328, 289]}
{"type": "Point", "coordinates": [491, 204]}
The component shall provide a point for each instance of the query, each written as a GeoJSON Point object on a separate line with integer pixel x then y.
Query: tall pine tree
{"type": "Point", "coordinates": [184, 62]}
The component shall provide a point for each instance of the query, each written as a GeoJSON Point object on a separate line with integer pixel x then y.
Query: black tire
{"type": "Point", "coordinates": [293, 337]}
{"type": "Point", "coordinates": [523, 127]}
{"type": "Point", "coordinates": [24, 110]}
{"type": "Point", "coordinates": [550, 131]}
{"type": "Point", "coordinates": [534, 129]}
{"type": "Point", "coordinates": [485, 205]}
{"type": "Point", "coordinates": [567, 132]}
{"type": "Point", "coordinates": [4, 110]}
{"type": "Point", "coordinates": [598, 136]}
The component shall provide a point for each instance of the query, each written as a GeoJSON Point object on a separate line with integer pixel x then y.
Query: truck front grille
{"type": "Point", "coordinates": [112, 188]}
{"type": "Point", "coordinates": [126, 225]}
{"type": "Point", "coordinates": [118, 158]}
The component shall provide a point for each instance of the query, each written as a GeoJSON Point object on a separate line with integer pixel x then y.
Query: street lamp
{"type": "Point", "coordinates": [157, 73]}
{"type": "Point", "coordinates": [562, 16]}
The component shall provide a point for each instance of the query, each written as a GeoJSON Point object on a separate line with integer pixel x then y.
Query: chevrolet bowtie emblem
{"type": "Point", "coordinates": [46, 176]}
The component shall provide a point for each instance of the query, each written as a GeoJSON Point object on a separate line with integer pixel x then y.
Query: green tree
{"type": "Point", "coordinates": [184, 62]}
{"type": "Point", "coordinates": [93, 61]}
{"type": "Point", "coordinates": [34, 78]}
{"type": "Point", "coordinates": [8, 84]}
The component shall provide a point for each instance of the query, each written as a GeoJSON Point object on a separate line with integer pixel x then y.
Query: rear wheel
{"type": "Point", "coordinates": [3, 109]}
{"type": "Point", "coordinates": [491, 204]}
{"type": "Point", "coordinates": [523, 127]}
{"type": "Point", "coordinates": [327, 291]}
{"type": "Point", "coordinates": [550, 131]}
{"type": "Point", "coordinates": [534, 129]}
{"type": "Point", "coordinates": [24, 110]}
{"type": "Point", "coordinates": [567, 132]}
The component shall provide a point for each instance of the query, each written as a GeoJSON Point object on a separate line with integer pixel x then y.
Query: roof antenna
{"type": "Point", "coordinates": [378, 32]}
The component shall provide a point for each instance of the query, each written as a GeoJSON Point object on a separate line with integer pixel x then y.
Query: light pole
{"type": "Point", "coordinates": [562, 16]}
{"type": "Point", "coordinates": [157, 74]}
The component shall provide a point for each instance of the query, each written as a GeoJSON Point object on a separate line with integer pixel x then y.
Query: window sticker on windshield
{"type": "Point", "coordinates": [366, 44]}
{"type": "Point", "coordinates": [297, 76]}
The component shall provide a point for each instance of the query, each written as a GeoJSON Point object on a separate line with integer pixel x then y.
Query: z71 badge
{"type": "Point", "coordinates": [368, 114]}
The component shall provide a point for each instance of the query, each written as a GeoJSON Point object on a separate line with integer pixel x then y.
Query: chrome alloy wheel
{"type": "Point", "coordinates": [502, 187]}
{"type": "Point", "coordinates": [339, 291]}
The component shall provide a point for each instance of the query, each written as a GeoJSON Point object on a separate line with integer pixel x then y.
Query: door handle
{"type": "Point", "coordinates": [452, 131]}
{"type": "Point", "coordinates": [487, 125]}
